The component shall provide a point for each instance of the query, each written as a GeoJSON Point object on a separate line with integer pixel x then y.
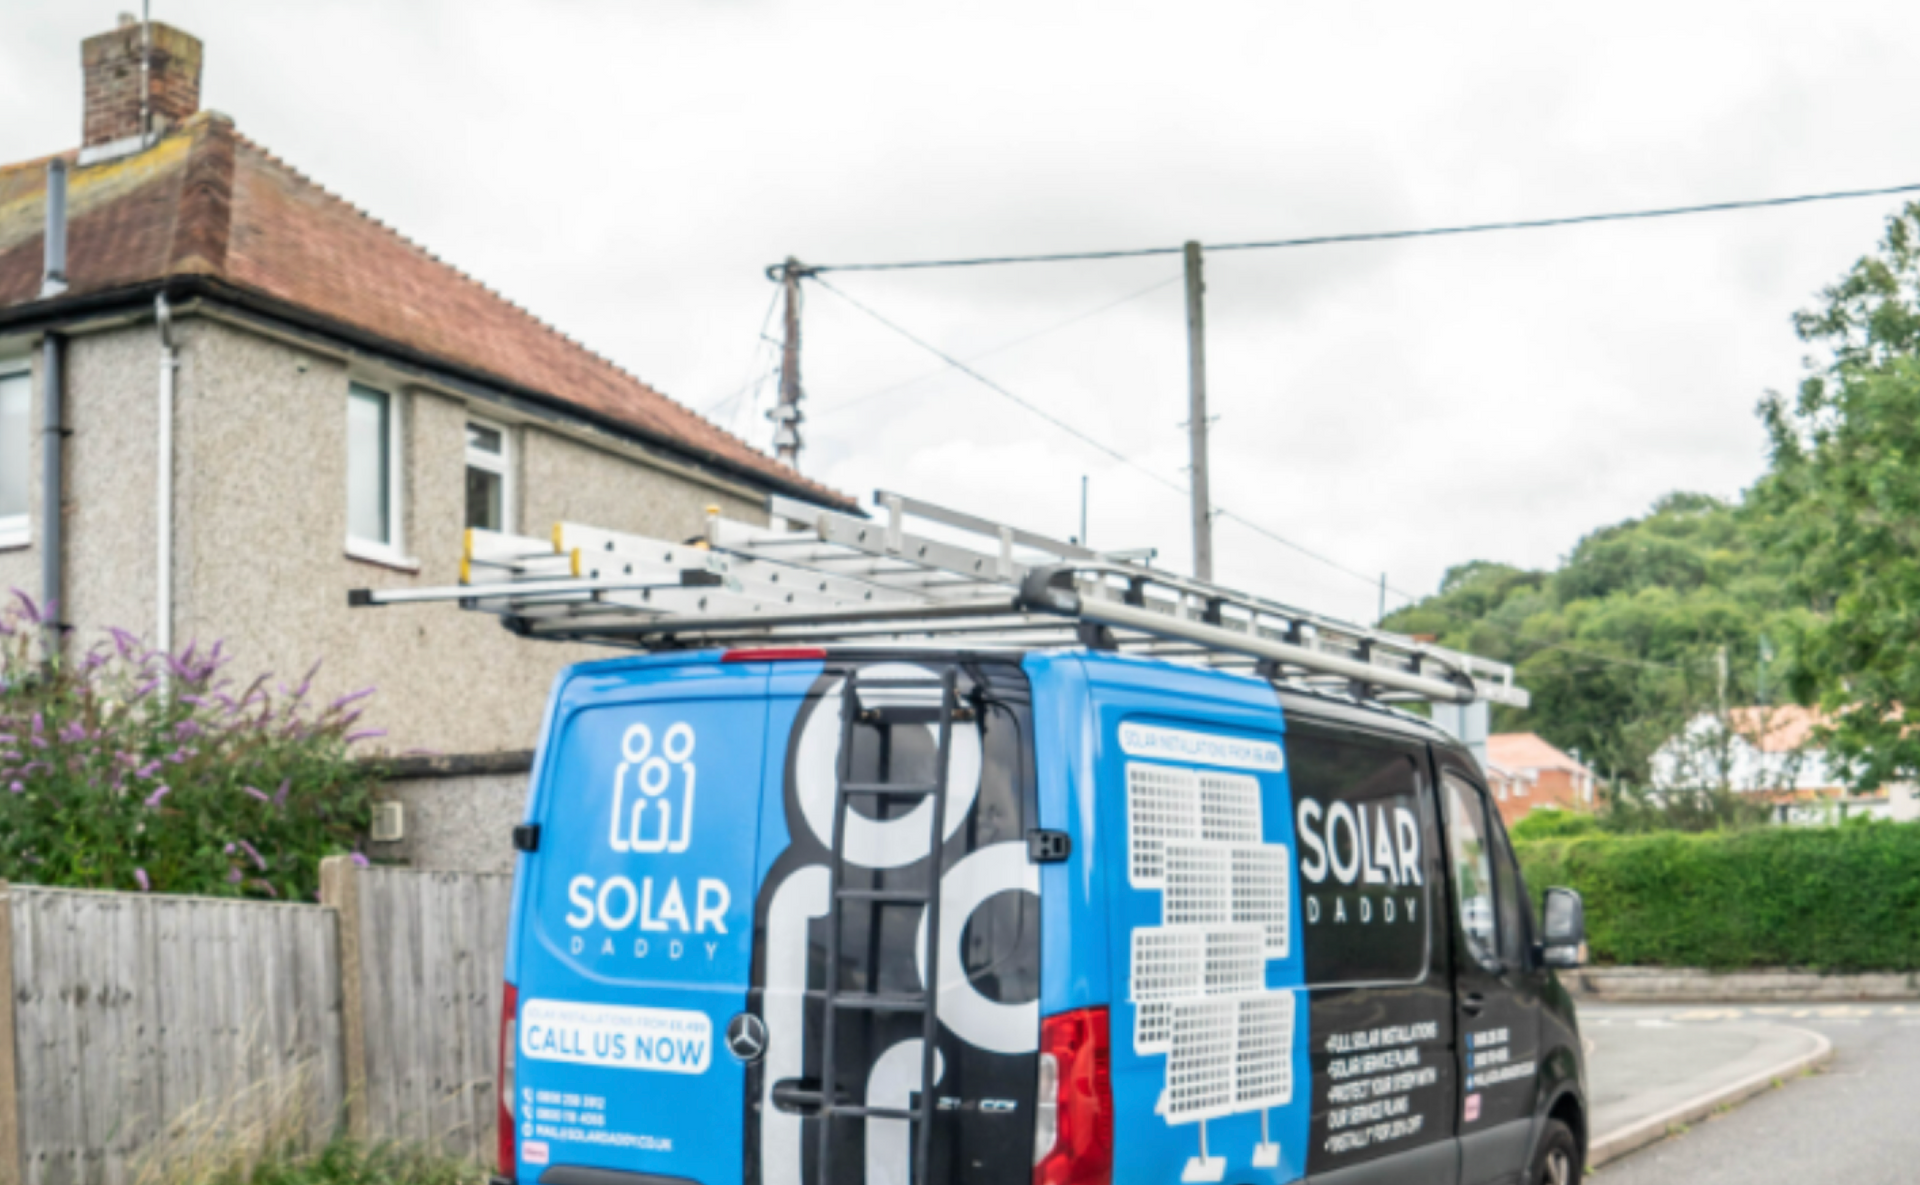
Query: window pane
{"type": "Point", "coordinates": [1472, 869]}
{"type": "Point", "coordinates": [14, 445]}
{"type": "Point", "coordinates": [1360, 820]}
{"type": "Point", "coordinates": [485, 502]}
{"type": "Point", "coordinates": [1514, 937]}
{"type": "Point", "coordinates": [483, 439]}
{"type": "Point", "coordinates": [369, 452]}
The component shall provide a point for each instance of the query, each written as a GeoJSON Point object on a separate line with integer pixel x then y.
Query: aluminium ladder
{"type": "Point", "coordinates": [833, 999]}
{"type": "Point", "coordinates": [921, 574]}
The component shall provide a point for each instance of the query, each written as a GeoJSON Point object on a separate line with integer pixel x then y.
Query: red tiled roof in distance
{"type": "Point", "coordinates": [1526, 750]}
{"type": "Point", "coordinates": [1781, 729]}
{"type": "Point", "coordinates": [207, 201]}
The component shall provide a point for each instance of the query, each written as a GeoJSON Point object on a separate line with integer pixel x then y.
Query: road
{"type": "Point", "coordinates": [1854, 1123]}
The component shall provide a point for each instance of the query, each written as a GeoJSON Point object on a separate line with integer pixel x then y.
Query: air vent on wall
{"type": "Point", "coordinates": [389, 822]}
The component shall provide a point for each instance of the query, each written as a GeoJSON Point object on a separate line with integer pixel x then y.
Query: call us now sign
{"type": "Point", "coordinates": [661, 1039]}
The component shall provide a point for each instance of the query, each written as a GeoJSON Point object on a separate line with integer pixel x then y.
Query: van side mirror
{"type": "Point", "coordinates": [1564, 932]}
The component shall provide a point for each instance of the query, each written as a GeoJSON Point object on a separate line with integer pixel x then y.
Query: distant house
{"type": "Point", "coordinates": [261, 397]}
{"type": "Point", "coordinates": [1771, 752]}
{"type": "Point", "coordinates": [1762, 749]}
{"type": "Point", "coordinates": [1527, 774]}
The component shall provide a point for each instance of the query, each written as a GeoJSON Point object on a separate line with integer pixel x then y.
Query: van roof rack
{"type": "Point", "coordinates": [922, 573]}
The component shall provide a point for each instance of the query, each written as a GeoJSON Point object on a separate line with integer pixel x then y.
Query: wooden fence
{"type": "Point", "coordinates": [429, 953]}
{"type": "Point", "coordinates": [134, 1017]}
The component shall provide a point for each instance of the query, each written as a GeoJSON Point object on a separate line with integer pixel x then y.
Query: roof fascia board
{"type": "Point", "coordinates": [72, 314]}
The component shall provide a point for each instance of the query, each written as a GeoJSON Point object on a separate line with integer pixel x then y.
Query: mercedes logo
{"type": "Point", "coordinates": [747, 1037]}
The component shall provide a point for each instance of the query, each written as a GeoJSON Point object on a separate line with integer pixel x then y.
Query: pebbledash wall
{"type": "Point", "coordinates": [259, 532]}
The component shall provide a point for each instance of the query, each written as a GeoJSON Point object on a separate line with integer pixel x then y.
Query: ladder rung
{"type": "Point", "coordinates": [863, 1002]}
{"type": "Point", "coordinates": [865, 1112]}
{"type": "Point", "coordinates": [898, 684]}
{"type": "Point", "coordinates": [888, 789]}
{"type": "Point", "coordinates": [908, 714]}
{"type": "Point", "coordinates": [886, 896]}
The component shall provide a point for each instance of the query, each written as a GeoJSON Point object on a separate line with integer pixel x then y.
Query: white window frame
{"type": "Point", "coordinates": [500, 464]}
{"type": "Point", "coordinates": [16, 530]}
{"type": "Point", "coordinates": [393, 553]}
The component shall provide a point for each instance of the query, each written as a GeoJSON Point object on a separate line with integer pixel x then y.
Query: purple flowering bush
{"type": "Point", "coordinates": [123, 767]}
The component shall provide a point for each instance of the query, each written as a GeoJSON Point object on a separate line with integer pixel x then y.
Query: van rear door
{"type": "Point", "coordinates": [988, 937]}
{"type": "Point", "coordinates": [635, 939]}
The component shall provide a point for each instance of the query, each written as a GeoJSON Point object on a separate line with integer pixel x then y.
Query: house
{"type": "Point", "coordinates": [1772, 752]}
{"type": "Point", "coordinates": [264, 398]}
{"type": "Point", "coordinates": [1763, 750]}
{"type": "Point", "coordinates": [1527, 774]}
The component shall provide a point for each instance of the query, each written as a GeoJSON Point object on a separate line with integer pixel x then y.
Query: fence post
{"type": "Point", "coordinates": [9, 1085]}
{"type": "Point", "coordinates": [340, 891]}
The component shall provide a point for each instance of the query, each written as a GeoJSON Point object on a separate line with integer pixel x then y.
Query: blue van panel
{"type": "Point", "coordinates": [1232, 1099]}
{"type": "Point", "coordinates": [634, 922]}
{"type": "Point", "coordinates": [1073, 900]}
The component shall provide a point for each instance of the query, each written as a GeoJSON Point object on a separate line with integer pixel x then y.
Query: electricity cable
{"type": "Point", "coordinates": [1219, 511]}
{"type": "Point", "coordinates": [1472, 228]}
{"type": "Point", "coordinates": [760, 341]}
{"type": "Point", "coordinates": [1001, 348]}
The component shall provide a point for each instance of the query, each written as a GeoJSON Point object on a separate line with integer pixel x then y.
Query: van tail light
{"type": "Point", "coordinates": [1073, 1118]}
{"type": "Point", "coordinates": [509, 1043]}
{"type": "Point", "coordinates": [774, 654]}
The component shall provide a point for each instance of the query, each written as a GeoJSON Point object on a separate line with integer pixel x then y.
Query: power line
{"type": "Point", "coordinates": [1003, 347]}
{"type": "Point", "coordinates": [1383, 235]}
{"type": "Point", "coordinates": [984, 381]}
{"type": "Point", "coordinates": [760, 340]}
{"type": "Point", "coordinates": [1099, 445]}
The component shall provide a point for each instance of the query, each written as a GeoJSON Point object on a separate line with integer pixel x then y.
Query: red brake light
{"type": "Point", "coordinates": [1075, 1055]}
{"type": "Point", "coordinates": [774, 654]}
{"type": "Point", "coordinates": [504, 1101]}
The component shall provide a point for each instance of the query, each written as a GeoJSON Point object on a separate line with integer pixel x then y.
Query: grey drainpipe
{"type": "Point", "coordinates": [163, 493]}
{"type": "Point", "coordinates": [53, 483]}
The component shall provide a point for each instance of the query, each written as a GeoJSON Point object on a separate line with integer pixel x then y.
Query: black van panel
{"type": "Point", "coordinates": [986, 1096]}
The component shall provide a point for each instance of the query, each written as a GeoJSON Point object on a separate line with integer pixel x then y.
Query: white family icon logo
{"type": "Point", "coordinates": [651, 826]}
{"type": "Point", "coordinates": [653, 816]}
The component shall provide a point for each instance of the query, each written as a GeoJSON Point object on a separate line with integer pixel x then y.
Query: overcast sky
{"type": "Point", "coordinates": [627, 170]}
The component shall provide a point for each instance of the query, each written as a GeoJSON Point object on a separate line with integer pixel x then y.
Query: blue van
{"type": "Point", "coordinates": [799, 915]}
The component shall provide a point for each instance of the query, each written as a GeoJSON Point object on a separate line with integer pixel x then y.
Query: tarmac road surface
{"type": "Point", "coordinates": [1855, 1122]}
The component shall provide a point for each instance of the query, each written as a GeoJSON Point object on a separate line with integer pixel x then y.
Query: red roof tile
{"type": "Point", "coordinates": [207, 201]}
{"type": "Point", "coordinates": [1527, 750]}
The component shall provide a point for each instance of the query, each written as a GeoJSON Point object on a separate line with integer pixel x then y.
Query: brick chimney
{"type": "Point", "coordinates": [111, 63]}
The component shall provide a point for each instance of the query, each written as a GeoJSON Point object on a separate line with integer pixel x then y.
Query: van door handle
{"type": "Point", "coordinates": [797, 1096]}
{"type": "Point", "coordinates": [1471, 1004]}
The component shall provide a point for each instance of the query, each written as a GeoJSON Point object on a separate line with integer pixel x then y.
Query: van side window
{"type": "Point", "coordinates": [1472, 859]}
{"type": "Point", "coordinates": [1364, 830]}
{"type": "Point", "coordinates": [1516, 934]}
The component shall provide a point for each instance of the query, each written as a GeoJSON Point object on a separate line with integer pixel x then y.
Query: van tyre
{"type": "Point", "coordinates": [1558, 1160]}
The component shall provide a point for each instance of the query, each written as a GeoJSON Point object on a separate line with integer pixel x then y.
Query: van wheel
{"type": "Point", "coordinates": [1558, 1161]}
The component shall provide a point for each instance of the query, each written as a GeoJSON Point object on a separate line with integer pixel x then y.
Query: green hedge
{"type": "Point", "coordinates": [1829, 898]}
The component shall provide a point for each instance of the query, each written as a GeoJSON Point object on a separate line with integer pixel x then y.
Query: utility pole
{"type": "Point", "coordinates": [1083, 510]}
{"type": "Point", "coordinates": [786, 414]}
{"type": "Point", "coordinates": [1197, 416]}
{"type": "Point", "coordinates": [1383, 600]}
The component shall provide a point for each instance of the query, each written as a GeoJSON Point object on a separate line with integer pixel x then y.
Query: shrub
{"type": "Point", "coordinates": [1829, 899]}
{"type": "Point", "coordinates": [122, 767]}
{"type": "Point", "coordinates": [1553, 825]}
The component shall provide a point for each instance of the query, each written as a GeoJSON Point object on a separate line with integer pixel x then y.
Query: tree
{"type": "Point", "coordinates": [1844, 500]}
{"type": "Point", "coordinates": [1618, 645]}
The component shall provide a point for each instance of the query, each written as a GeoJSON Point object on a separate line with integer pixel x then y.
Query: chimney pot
{"type": "Point", "coordinates": [111, 66]}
